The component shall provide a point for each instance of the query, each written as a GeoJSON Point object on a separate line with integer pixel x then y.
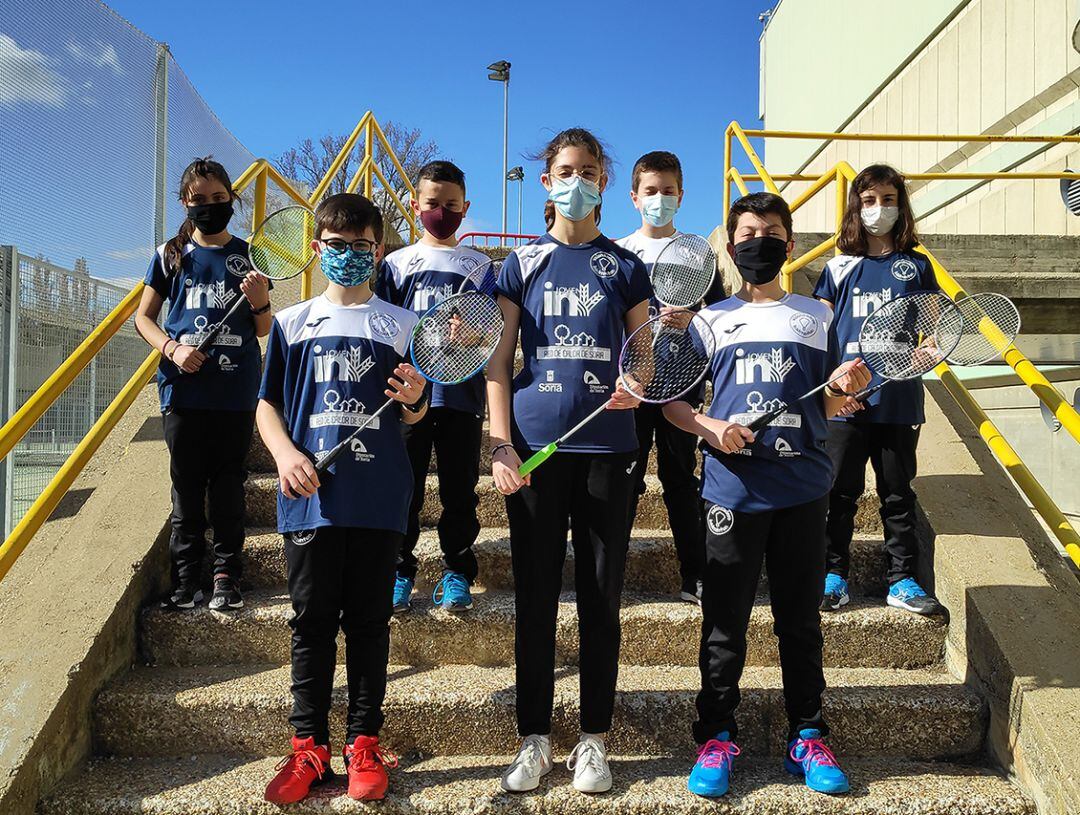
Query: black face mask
{"type": "Point", "coordinates": [759, 259]}
{"type": "Point", "coordinates": [210, 219]}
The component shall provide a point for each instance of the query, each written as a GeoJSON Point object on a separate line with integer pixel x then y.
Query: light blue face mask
{"type": "Point", "coordinates": [575, 198]}
{"type": "Point", "coordinates": [350, 268]}
{"type": "Point", "coordinates": [658, 210]}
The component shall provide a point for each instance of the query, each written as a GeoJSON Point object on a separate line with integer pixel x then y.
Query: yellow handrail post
{"type": "Point", "coordinates": [753, 156]}
{"type": "Point", "coordinates": [841, 201]}
{"type": "Point", "coordinates": [43, 507]}
{"type": "Point", "coordinates": [1012, 463]}
{"type": "Point", "coordinates": [258, 209]}
{"type": "Point", "coordinates": [369, 157]}
{"type": "Point", "coordinates": [727, 173]}
{"type": "Point", "coordinates": [335, 165]}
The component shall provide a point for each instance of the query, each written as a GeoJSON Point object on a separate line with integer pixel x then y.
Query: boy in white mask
{"type": "Point", "coordinates": [657, 191]}
{"type": "Point", "coordinates": [878, 264]}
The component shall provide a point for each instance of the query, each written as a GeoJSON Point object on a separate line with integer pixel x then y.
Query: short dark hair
{"type": "Point", "coordinates": [348, 212]}
{"type": "Point", "coordinates": [441, 171]}
{"type": "Point", "coordinates": [658, 161]}
{"type": "Point", "coordinates": [759, 203]}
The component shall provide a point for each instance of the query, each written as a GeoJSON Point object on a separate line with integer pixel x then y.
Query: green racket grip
{"type": "Point", "coordinates": [538, 458]}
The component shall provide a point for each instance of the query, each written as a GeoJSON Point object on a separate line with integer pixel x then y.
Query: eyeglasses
{"type": "Point", "coordinates": [566, 173]}
{"type": "Point", "coordinates": [337, 246]}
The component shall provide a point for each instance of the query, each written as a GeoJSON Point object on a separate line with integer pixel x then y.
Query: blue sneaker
{"type": "Point", "coordinates": [910, 596]}
{"type": "Point", "coordinates": [403, 587]}
{"type": "Point", "coordinates": [452, 592]}
{"type": "Point", "coordinates": [712, 770]}
{"type": "Point", "coordinates": [836, 593]}
{"type": "Point", "coordinates": [809, 757]}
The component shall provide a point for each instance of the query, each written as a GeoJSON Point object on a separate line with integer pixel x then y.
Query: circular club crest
{"type": "Point", "coordinates": [804, 325]}
{"type": "Point", "coordinates": [720, 520]}
{"type": "Point", "coordinates": [384, 325]}
{"type": "Point", "coordinates": [604, 264]}
{"type": "Point", "coordinates": [303, 537]}
{"type": "Point", "coordinates": [237, 264]}
{"type": "Point", "coordinates": [904, 269]}
{"type": "Point", "coordinates": [468, 263]}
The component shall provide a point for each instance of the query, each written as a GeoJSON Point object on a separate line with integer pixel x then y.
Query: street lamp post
{"type": "Point", "coordinates": [500, 72]}
{"type": "Point", "coordinates": [517, 174]}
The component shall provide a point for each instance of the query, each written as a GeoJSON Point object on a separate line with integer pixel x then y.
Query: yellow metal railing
{"type": "Point", "coordinates": [258, 174]}
{"type": "Point", "coordinates": [843, 174]}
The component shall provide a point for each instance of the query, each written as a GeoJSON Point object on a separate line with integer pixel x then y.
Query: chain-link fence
{"type": "Point", "coordinates": [98, 123]}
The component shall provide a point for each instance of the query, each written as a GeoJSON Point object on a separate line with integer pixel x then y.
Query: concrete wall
{"type": "Point", "coordinates": [994, 67]}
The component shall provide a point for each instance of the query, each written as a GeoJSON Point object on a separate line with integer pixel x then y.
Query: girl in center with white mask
{"type": "Point", "coordinates": [570, 297]}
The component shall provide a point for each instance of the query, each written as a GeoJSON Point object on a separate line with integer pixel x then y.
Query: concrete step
{"type": "Point", "coordinates": [262, 491]}
{"type": "Point", "coordinates": [922, 714]}
{"type": "Point", "coordinates": [651, 564]}
{"type": "Point", "coordinates": [655, 631]}
{"type": "Point", "coordinates": [233, 785]}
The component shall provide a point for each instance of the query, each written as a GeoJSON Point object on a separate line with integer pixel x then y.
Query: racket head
{"type": "Point", "coordinates": [667, 357]}
{"type": "Point", "coordinates": [481, 276]}
{"type": "Point", "coordinates": [911, 335]}
{"type": "Point", "coordinates": [1070, 191]}
{"type": "Point", "coordinates": [454, 339]}
{"type": "Point", "coordinates": [991, 323]}
{"type": "Point", "coordinates": [683, 271]}
{"type": "Point", "coordinates": [281, 245]}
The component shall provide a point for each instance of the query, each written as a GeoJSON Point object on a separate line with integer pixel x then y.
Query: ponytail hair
{"type": "Point", "coordinates": [204, 167]}
{"type": "Point", "coordinates": [852, 238]}
{"type": "Point", "coordinates": [573, 137]}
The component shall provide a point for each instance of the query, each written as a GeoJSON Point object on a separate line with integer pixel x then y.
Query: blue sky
{"type": "Point", "coordinates": [642, 75]}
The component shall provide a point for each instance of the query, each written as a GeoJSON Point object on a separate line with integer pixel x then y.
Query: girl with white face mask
{"type": "Point", "coordinates": [570, 298]}
{"type": "Point", "coordinates": [878, 264]}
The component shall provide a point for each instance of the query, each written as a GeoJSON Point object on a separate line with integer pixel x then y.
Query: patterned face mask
{"type": "Point", "coordinates": [348, 268]}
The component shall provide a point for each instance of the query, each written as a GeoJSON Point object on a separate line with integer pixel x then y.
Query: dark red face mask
{"type": "Point", "coordinates": [441, 222]}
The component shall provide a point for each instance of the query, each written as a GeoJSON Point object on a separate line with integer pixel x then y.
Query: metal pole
{"type": "Point", "coordinates": [521, 183]}
{"type": "Point", "coordinates": [9, 265]}
{"type": "Point", "coordinates": [506, 150]}
{"type": "Point", "coordinates": [161, 142]}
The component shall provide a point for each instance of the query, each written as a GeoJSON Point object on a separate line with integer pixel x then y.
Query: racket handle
{"type": "Point", "coordinates": [764, 419]}
{"type": "Point", "coordinates": [862, 396]}
{"type": "Point", "coordinates": [212, 335]}
{"type": "Point", "coordinates": [322, 465]}
{"type": "Point", "coordinates": [538, 458]}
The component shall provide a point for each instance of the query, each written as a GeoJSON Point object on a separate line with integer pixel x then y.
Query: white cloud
{"type": "Point", "coordinates": [135, 253]}
{"type": "Point", "coordinates": [28, 76]}
{"type": "Point", "coordinates": [100, 55]}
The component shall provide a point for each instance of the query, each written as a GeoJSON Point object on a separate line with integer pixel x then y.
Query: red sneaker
{"type": "Point", "coordinates": [307, 766]}
{"type": "Point", "coordinates": [365, 764]}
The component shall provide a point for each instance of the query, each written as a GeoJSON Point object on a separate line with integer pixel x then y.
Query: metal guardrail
{"type": "Point", "coordinates": [843, 174]}
{"type": "Point", "coordinates": [502, 236]}
{"type": "Point", "coordinates": [259, 174]}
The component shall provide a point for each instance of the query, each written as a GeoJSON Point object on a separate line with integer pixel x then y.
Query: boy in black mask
{"type": "Point", "coordinates": [765, 496]}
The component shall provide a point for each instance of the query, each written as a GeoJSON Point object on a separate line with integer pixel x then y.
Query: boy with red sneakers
{"type": "Point", "coordinates": [327, 367]}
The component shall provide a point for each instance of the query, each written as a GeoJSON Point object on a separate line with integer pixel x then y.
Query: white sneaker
{"type": "Point", "coordinates": [533, 762]}
{"type": "Point", "coordinates": [590, 765]}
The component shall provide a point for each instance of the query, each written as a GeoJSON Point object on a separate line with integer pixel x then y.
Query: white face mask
{"type": "Point", "coordinates": [879, 220]}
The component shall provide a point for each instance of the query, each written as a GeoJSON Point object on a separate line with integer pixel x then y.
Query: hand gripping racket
{"type": "Point", "coordinates": [990, 324]}
{"type": "Point", "coordinates": [280, 249]}
{"type": "Point", "coordinates": [452, 342]}
{"type": "Point", "coordinates": [904, 339]}
{"type": "Point", "coordinates": [683, 271]}
{"type": "Point", "coordinates": [659, 362]}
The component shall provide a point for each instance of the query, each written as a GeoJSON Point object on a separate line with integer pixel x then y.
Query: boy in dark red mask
{"type": "Point", "coordinates": [417, 278]}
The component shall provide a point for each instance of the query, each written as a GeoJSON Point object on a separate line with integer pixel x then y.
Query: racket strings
{"type": "Point", "coordinates": [667, 356]}
{"type": "Point", "coordinates": [281, 246]}
{"type": "Point", "coordinates": [910, 336]}
{"type": "Point", "coordinates": [684, 271]}
{"type": "Point", "coordinates": [456, 338]}
{"type": "Point", "coordinates": [991, 323]}
{"type": "Point", "coordinates": [482, 278]}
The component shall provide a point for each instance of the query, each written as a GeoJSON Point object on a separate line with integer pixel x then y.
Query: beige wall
{"type": "Point", "coordinates": [995, 67]}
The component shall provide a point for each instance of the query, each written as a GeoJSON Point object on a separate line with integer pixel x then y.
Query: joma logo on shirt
{"type": "Point", "coordinates": [209, 295]}
{"type": "Point", "coordinates": [570, 301]}
{"type": "Point", "coordinates": [864, 303]}
{"type": "Point", "coordinates": [341, 365]}
{"type": "Point", "coordinates": [771, 366]}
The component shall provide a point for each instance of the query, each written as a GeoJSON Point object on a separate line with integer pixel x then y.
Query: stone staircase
{"type": "Point", "coordinates": [198, 728]}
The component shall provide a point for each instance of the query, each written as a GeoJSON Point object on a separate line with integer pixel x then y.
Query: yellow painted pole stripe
{"type": "Point", "coordinates": [1012, 463]}
{"type": "Point", "coordinates": [922, 137]}
{"type": "Point", "coordinates": [43, 507]}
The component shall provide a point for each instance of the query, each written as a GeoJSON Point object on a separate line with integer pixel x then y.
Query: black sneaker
{"type": "Point", "coordinates": [226, 596]}
{"type": "Point", "coordinates": [182, 597]}
{"type": "Point", "coordinates": [691, 591]}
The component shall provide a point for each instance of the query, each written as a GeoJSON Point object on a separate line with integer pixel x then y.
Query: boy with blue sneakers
{"type": "Point", "coordinates": [418, 277]}
{"type": "Point", "coordinates": [765, 496]}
